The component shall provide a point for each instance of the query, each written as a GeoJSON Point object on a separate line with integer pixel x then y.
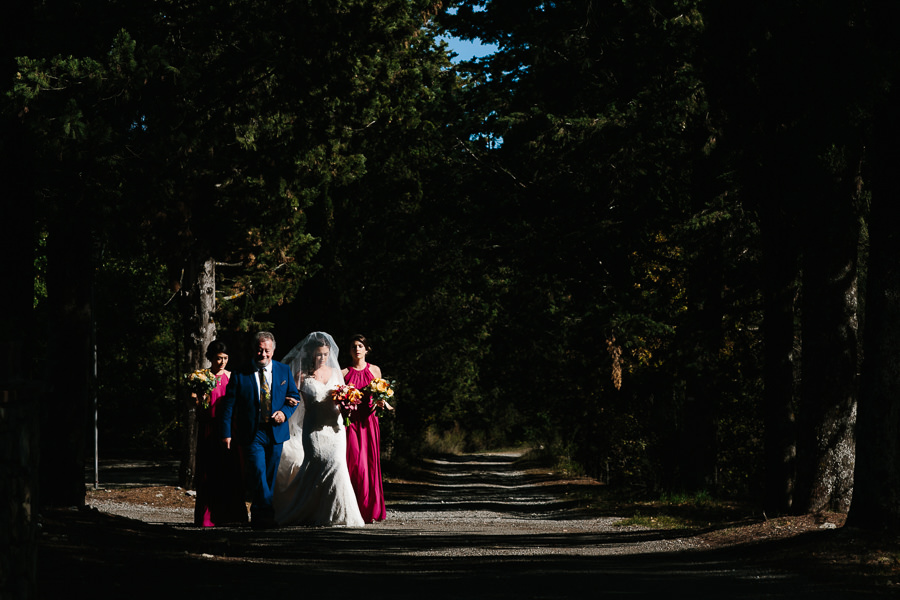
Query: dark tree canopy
{"type": "Point", "coordinates": [636, 235]}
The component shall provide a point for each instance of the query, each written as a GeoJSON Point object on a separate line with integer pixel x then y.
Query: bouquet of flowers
{"type": "Point", "coordinates": [378, 392]}
{"type": "Point", "coordinates": [201, 383]}
{"type": "Point", "coordinates": [348, 399]}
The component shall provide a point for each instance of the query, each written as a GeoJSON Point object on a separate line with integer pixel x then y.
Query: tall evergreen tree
{"type": "Point", "coordinates": [790, 123]}
{"type": "Point", "coordinates": [876, 491]}
{"type": "Point", "coordinates": [213, 130]}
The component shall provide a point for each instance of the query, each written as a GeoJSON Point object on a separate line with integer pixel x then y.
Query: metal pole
{"type": "Point", "coordinates": [95, 378]}
{"type": "Point", "coordinates": [96, 422]}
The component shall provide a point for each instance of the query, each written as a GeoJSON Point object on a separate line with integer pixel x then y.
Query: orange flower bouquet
{"type": "Point", "coordinates": [201, 382]}
{"type": "Point", "coordinates": [348, 399]}
{"type": "Point", "coordinates": [378, 392]}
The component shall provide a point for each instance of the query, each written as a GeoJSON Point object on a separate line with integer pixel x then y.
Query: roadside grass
{"type": "Point", "coordinates": [693, 512]}
{"type": "Point", "coordinates": [444, 442]}
{"type": "Point", "coordinates": [658, 522]}
{"type": "Point", "coordinates": [636, 507]}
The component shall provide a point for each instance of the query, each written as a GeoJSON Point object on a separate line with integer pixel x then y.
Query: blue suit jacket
{"type": "Point", "coordinates": [240, 404]}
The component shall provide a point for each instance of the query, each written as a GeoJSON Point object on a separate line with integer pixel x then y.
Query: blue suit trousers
{"type": "Point", "coordinates": [263, 456]}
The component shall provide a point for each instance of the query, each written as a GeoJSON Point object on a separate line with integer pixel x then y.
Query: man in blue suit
{"type": "Point", "coordinates": [256, 407]}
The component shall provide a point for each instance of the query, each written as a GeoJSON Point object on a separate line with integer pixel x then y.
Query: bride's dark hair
{"type": "Point", "coordinates": [301, 358]}
{"type": "Point", "coordinates": [309, 353]}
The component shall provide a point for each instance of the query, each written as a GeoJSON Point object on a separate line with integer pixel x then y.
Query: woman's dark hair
{"type": "Point", "coordinates": [216, 348]}
{"type": "Point", "coordinates": [361, 338]}
{"type": "Point", "coordinates": [309, 353]}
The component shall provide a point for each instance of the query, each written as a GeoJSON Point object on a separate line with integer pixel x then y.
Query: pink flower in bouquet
{"type": "Point", "coordinates": [348, 399]}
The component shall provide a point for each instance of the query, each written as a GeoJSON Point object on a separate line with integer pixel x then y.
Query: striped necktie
{"type": "Point", "coordinates": [265, 396]}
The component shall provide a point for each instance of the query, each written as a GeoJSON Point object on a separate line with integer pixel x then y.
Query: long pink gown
{"type": "Point", "coordinates": [364, 452]}
{"type": "Point", "coordinates": [220, 486]}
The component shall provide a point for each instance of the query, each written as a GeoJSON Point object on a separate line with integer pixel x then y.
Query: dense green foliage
{"type": "Point", "coordinates": [138, 356]}
{"type": "Point", "coordinates": [596, 240]}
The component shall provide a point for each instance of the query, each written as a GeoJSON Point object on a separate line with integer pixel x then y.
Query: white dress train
{"type": "Point", "coordinates": [312, 486]}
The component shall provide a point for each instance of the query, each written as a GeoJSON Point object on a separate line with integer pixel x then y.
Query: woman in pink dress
{"type": "Point", "coordinates": [364, 437]}
{"type": "Point", "coordinates": [220, 488]}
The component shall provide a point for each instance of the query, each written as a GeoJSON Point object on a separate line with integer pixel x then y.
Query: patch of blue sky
{"type": "Point", "coordinates": [468, 49]}
{"type": "Point", "coordinates": [463, 50]}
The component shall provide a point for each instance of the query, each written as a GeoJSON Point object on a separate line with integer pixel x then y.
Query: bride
{"type": "Point", "coordinates": [312, 486]}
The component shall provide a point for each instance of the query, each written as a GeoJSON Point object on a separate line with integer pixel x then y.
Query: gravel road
{"type": "Point", "coordinates": [474, 495]}
{"type": "Point", "coordinates": [476, 526]}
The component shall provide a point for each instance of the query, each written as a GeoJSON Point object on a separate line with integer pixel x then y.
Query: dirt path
{"type": "Point", "coordinates": [475, 526]}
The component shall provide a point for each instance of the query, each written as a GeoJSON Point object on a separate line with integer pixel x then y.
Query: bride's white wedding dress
{"type": "Point", "coordinates": [312, 486]}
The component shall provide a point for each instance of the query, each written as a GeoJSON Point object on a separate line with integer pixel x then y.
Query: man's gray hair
{"type": "Point", "coordinates": [265, 335]}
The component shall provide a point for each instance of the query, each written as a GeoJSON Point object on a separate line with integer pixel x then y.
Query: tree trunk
{"type": "Point", "coordinates": [829, 388]}
{"type": "Point", "coordinates": [774, 183]}
{"type": "Point", "coordinates": [698, 448]}
{"type": "Point", "coordinates": [198, 304]}
{"type": "Point", "coordinates": [69, 279]}
{"type": "Point", "coordinates": [876, 495]}
{"type": "Point", "coordinates": [23, 402]}
{"type": "Point", "coordinates": [780, 273]}
{"type": "Point", "coordinates": [21, 397]}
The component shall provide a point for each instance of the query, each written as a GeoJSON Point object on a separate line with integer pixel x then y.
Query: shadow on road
{"type": "Point", "coordinates": [447, 555]}
{"type": "Point", "coordinates": [121, 558]}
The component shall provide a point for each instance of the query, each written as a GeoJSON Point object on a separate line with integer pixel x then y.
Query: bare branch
{"type": "Point", "coordinates": [494, 168]}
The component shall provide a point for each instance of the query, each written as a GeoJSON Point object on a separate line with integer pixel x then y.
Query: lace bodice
{"type": "Point", "coordinates": [314, 388]}
{"type": "Point", "coordinates": [320, 409]}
